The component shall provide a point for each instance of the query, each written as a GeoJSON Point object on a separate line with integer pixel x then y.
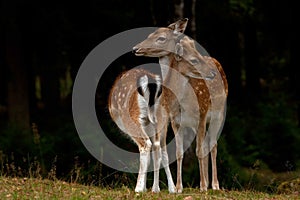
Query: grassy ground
{"type": "Point", "coordinates": [27, 188]}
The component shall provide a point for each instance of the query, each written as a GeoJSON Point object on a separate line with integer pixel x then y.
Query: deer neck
{"type": "Point", "coordinates": [168, 65]}
{"type": "Point", "coordinates": [164, 62]}
{"type": "Point", "coordinates": [171, 76]}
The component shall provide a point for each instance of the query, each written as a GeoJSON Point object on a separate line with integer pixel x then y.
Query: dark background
{"type": "Point", "coordinates": [43, 43]}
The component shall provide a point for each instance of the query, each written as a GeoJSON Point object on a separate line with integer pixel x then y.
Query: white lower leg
{"type": "Point", "coordinates": [144, 163]}
{"type": "Point", "coordinates": [156, 156]}
{"type": "Point", "coordinates": [165, 163]}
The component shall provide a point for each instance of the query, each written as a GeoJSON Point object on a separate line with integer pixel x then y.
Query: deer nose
{"type": "Point", "coordinates": [134, 49]}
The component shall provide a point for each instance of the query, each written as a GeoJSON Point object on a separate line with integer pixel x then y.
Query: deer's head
{"type": "Point", "coordinates": [163, 41]}
{"type": "Point", "coordinates": [193, 64]}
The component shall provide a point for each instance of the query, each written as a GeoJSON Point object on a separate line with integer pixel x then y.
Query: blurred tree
{"type": "Point", "coordinates": [193, 20]}
{"type": "Point", "coordinates": [3, 82]}
{"type": "Point", "coordinates": [17, 77]}
{"type": "Point", "coordinates": [178, 9]}
{"type": "Point", "coordinates": [49, 49]}
{"type": "Point", "coordinates": [253, 70]}
{"type": "Point", "coordinates": [294, 72]}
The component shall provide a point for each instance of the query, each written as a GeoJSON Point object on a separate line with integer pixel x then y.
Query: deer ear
{"type": "Point", "coordinates": [191, 42]}
{"type": "Point", "coordinates": [179, 26]}
{"type": "Point", "coordinates": [178, 51]}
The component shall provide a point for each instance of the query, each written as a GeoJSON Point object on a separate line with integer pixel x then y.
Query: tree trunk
{"type": "Point", "coordinates": [251, 59]}
{"type": "Point", "coordinates": [193, 20]}
{"type": "Point", "coordinates": [17, 93]}
{"type": "Point", "coordinates": [294, 66]}
{"type": "Point", "coordinates": [178, 9]}
{"type": "Point", "coordinates": [3, 85]}
{"type": "Point", "coordinates": [50, 88]}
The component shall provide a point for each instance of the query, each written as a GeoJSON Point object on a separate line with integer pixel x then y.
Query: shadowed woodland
{"type": "Point", "coordinates": [42, 45]}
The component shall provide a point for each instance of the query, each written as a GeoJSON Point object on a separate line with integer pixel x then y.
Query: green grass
{"type": "Point", "coordinates": [32, 188]}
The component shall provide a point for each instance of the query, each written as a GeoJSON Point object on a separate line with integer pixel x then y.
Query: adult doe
{"type": "Point", "coordinates": [177, 52]}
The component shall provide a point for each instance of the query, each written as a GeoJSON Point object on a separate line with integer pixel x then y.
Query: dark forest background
{"type": "Point", "coordinates": [43, 43]}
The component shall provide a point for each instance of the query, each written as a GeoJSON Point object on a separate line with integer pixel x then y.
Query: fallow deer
{"type": "Point", "coordinates": [208, 80]}
{"type": "Point", "coordinates": [134, 105]}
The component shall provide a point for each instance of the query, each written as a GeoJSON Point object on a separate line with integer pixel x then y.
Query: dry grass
{"type": "Point", "coordinates": [29, 188]}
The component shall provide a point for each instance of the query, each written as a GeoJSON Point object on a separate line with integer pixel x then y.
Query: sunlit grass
{"type": "Point", "coordinates": [32, 188]}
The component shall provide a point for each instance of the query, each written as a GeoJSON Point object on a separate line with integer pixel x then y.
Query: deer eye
{"type": "Point", "coordinates": [161, 39]}
{"type": "Point", "coordinates": [194, 61]}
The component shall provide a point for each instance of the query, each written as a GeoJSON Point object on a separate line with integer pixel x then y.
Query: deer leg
{"type": "Point", "coordinates": [144, 148]}
{"type": "Point", "coordinates": [203, 166]}
{"type": "Point", "coordinates": [165, 161]}
{"type": "Point", "coordinates": [156, 156]}
{"type": "Point", "coordinates": [215, 182]}
{"type": "Point", "coordinates": [179, 154]}
{"type": "Point", "coordinates": [214, 130]}
{"type": "Point", "coordinates": [202, 154]}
